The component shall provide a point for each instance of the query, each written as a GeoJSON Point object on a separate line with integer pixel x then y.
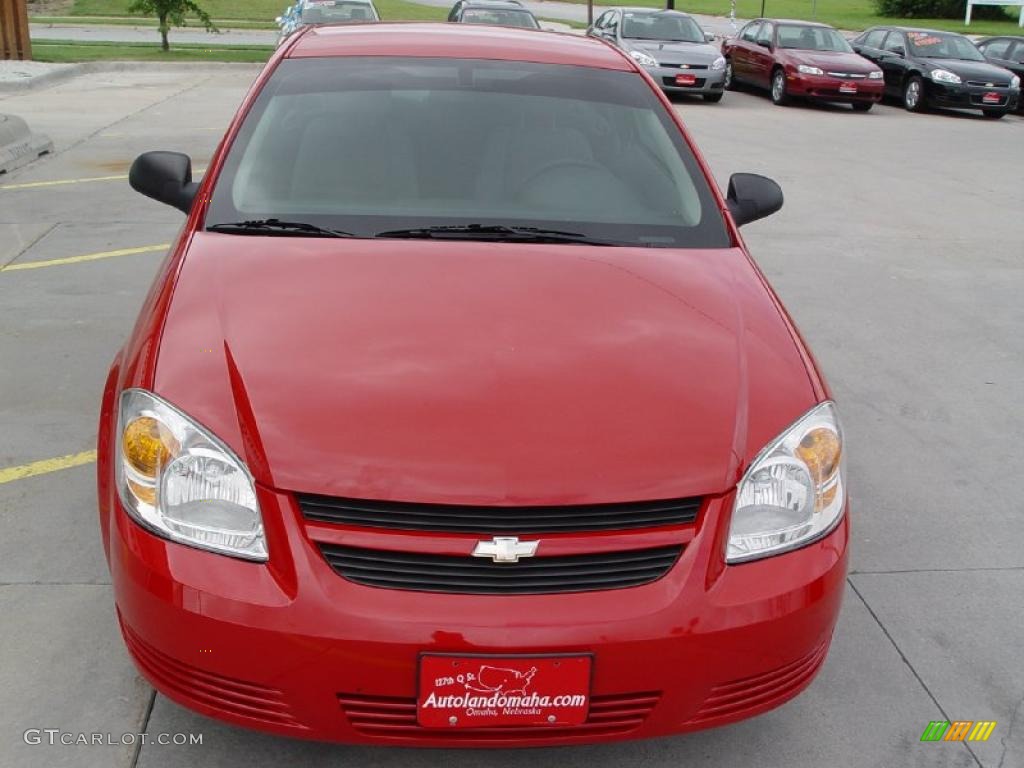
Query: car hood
{"type": "Point", "coordinates": [676, 53]}
{"type": "Point", "coordinates": [477, 372]}
{"type": "Point", "coordinates": [971, 70]}
{"type": "Point", "coordinates": [832, 61]}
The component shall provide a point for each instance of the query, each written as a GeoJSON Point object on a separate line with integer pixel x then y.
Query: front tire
{"type": "Point", "coordinates": [913, 94]}
{"type": "Point", "coordinates": [713, 98]}
{"type": "Point", "coordinates": [862, 106]}
{"type": "Point", "coordinates": [779, 95]}
{"type": "Point", "coordinates": [993, 114]}
{"type": "Point", "coordinates": [730, 77]}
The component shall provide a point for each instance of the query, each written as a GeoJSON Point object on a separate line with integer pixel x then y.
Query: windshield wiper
{"type": "Point", "coordinates": [277, 227]}
{"type": "Point", "coordinates": [495, 232]}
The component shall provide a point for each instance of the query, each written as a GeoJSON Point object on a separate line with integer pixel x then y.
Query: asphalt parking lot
{"type": "Point", "coordinates": [900, 254]}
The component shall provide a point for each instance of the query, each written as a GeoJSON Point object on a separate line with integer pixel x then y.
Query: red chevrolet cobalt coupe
{"type": "Point", "coordinates": [459, 414]}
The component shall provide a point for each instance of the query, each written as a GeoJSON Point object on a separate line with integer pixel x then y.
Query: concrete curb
{"type": "Point", "coordinates": [53, 77]}
{"type": "Point", "coordinates": [18, 145]}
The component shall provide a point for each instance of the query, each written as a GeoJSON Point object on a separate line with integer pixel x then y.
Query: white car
{"type": "Point", "coordinates": [306, 12]}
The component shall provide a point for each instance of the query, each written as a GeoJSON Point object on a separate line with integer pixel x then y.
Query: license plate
{"type": "Point", "coordinates": [992, 98]}
{"type": "Point", "coordinates": [487, 691]}
{"type": "Point", "coordinates": [848, 88]}
{"type": "Point", "coordinates": [686, 79]}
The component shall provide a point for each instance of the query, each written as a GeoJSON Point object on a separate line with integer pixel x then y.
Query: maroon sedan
{"type": "Point", "coordinates": [801, 59]}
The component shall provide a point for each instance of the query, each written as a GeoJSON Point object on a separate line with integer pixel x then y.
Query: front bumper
{"type": "Point", "coordinates": [970, 96]}
{"type": "Point", "coordinates": [291, 647]}
{"type": "Point", "coordinates": [705, 80]}
{"type": "Point", "coordinates": [825, 88]}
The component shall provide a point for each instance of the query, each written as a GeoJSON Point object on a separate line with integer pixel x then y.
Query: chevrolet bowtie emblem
{"type": "Point", "coordinates": [505, 549]}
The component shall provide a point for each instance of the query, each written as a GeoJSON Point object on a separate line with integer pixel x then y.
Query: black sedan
{"type": "Point", "coordinates": [927, 67]}
{"type": "Point", "coordinates": [1006, 52]}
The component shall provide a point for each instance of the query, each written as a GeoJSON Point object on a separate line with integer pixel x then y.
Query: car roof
{"type": "Point", "coordinates": [921, 29]}
{"type": "Point", "coordinates": [798, 23]}
{"type": "Point", "coordinates": [513, 4]}
{"type": "Point", "coordinates": [640, 9]}
{"type": "Point", "coordinates": [457, 41]}
{"type": "Point", "coordinates": [314, 3]}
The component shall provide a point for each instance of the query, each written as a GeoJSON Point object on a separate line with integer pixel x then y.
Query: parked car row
{"type": "Point", "coordinates": [790, 59]}
{"type": "Point", "coordinates": [502, 13]}
{"type": "Point", "coordinates": [921, 67]}
{"type": "Point", "coordinates": [801, 59]}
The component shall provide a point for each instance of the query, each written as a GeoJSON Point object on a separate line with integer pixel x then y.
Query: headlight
{"type": "Point", "coordinates": [876, 75]}
{"type": "Point", "coordinates": [719, 63]}
{"type": "Point", "coordinates": [945, 76]}
{"type": "Point", "coordinates": [794, 492]}
{"type": "Point", "coordinates": [182, 483]}
{"type": "Point", "coordinates": [804, 69]}
{"type": "Point", "coordinates": [643, 59]}
{"type": "Point", "coordinates": [1015, 82]}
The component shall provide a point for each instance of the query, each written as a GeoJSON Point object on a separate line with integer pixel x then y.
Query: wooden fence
{"type": "Point", "coordinates": [14, 42]}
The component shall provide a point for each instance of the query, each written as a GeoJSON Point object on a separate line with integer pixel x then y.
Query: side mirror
{"type": "Point", "coordinates": [279, 21]}
{"type": "Point", "coordinates": [752, 197]}
{"type": "Point", "coordinates": [708, 37]}
{"type": "Point", "coordinates": [165, 177]}
{"type": "Point", "coordinates": [765, 44]}
{"type": "Point", "coordinates": [899, 52]}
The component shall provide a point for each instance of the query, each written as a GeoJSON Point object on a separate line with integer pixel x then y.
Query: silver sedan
{"type": "Point", "coordinates": [670, 45]}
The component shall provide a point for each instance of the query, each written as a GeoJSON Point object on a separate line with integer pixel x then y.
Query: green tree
{"type": "Point", "coordinates": [170, 12]}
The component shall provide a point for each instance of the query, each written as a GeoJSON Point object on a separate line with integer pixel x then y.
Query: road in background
{"type": "Point", "coordinates": [899, 254]}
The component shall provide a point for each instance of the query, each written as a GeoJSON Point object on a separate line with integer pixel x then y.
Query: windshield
{"type": "Point", "coordinates": [936, 45]}
{"type": "Point", "coordinates": [367, 145]}
{"type": "Point", "coordinates": [661, 26]}
{"type": "Point", "coordinates": [334, 12]}
{"type": "Point", "coordinates": [812, 39]}
{"type": "Point", "coordinates": [501, 17]}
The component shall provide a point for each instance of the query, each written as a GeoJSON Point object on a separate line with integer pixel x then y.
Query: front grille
{"type": "Point", "coordinates": [846, 75]}
{"type": "Point", "coordinates": [394, 717]}
{"type": "Point", "coordinates": [470, 575]}
{"type": "Point", "coordinates": [988, 84]}
{"type": "Point", "coordinates": [684, 66]}
{"type": "Point", "coordinates": [399, 515]}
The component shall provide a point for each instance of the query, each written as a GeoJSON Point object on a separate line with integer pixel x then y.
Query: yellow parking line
{"type": "Point", "coordinates": [61, 182]}
{"type": "Point", "coordinates": [46, 465]}
{"type": "Point", "coordinates": [86, 257]}
{"type": "Point", "coordinates": [64, 182]}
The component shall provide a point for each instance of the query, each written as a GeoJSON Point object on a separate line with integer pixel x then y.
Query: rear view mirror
{"type": "Point", "coordinates": [165, 177]}
{"type": "Point", "coordinates": [752, 197]}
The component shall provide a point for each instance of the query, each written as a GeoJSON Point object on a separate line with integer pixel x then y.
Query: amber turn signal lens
{"type": "Point", "coordinates": [820, 451]}
{"type": "Point", "coordinates": [147, 445]}
{"type": "Point", "coordinates": [144, 493]}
